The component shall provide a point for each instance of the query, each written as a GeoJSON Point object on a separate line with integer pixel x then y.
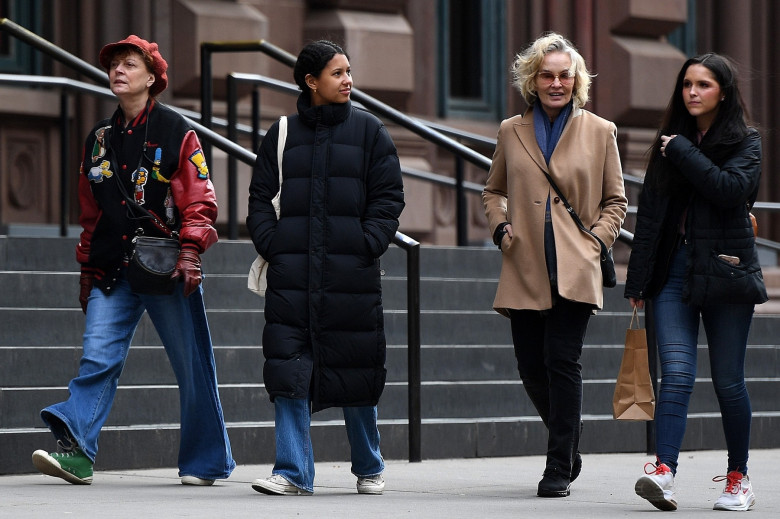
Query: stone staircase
{"type": "Point", "coordinates": [473, 403]}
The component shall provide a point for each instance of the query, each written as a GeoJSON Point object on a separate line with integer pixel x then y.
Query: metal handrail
{"type": "Point", "coordinates": [412, 247]}
{"type": "Point", "coordinates": [289, 88]}
{"type": "Point", "coordinates": [417, 126]}
{"type": "Point", "coordinates": [412, 124]}
{"type": "Point", "coordinates": [474, 139]}
{"type": "Point", "coordinates": [413, 352]}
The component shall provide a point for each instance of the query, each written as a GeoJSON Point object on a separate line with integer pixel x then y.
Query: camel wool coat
{"type": "Point", "coordinates": [586, 167]}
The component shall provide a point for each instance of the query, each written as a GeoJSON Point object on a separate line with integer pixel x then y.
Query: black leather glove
{"type": "Point", "coordinates": [499, 233]}
{"type": "Point", "coordinates": [86, 282]}
{"type": "Point", "coordinates": [188, 269]}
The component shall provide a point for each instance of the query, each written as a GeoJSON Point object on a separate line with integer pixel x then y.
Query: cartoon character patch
{"type": "Point", "coordinates": [98, 173]}
{"type": "Point", "coordinates": [140, 176]}
{"type": "Point", "coordinates": [156, 168]}
{"type": "Point", "coordinates": [199, 160]}
{"type": "Point", "coordinates": [99, 148]}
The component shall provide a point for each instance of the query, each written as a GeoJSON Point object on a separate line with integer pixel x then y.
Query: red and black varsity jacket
{"type": "Point", "coordinates": [158, 159]}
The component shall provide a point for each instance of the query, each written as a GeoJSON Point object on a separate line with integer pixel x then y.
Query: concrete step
{"type": "Point", "coordinates": [48, 290]}
{"type": "Point", "coordinates": [248, 402]}
{"type": "Point", "coordinates": [53, 366]}
{"type": "Point", "coordinates": [29, 289]}
{"type": "Point", "coordinates": [56, 254]}
{"type": "Point", "coordinates": [22, 327]}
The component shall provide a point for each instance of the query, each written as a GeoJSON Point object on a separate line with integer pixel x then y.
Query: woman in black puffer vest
{"type": "Point", "coordinates": [324, 340]}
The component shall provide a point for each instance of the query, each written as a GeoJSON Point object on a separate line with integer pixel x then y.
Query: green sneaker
{"type": "Point", "coordinates": [74, 466]}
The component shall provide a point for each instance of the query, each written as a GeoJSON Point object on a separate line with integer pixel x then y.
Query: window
{"type": "Point", "coordinates": [16, 56]}
{"type": "Point", "coordinates": [684, 37]}
{"type": "Point", "coordinates": [472, 75]}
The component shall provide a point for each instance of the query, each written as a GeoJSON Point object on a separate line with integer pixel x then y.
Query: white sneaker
{"type": "Point", "coordinates": [657, 486]}
{"type": "Point", "coordinates": [371, 485]}
{"type": "Point", "coordinates": [738, 494]}
{"type": "Point", "coordinates": [277, 485]}
{"type": "Point", "coordinates": [196, 482]}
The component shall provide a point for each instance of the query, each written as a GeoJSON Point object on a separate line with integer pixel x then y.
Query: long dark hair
{"type": "Point", "coordinates": [312, 59]}
{"type": "Point", "coordinates": [729, 127]}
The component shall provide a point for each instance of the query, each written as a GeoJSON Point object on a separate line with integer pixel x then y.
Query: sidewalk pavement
{"type": "Point", "coordinates": [458, 488]}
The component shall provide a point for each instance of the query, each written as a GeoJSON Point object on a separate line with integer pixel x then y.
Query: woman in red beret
{"type": "Point", "coordinates": [142, 173]}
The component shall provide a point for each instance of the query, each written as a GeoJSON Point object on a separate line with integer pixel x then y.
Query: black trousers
{"type": "Point", "coordinates": [548, 347]}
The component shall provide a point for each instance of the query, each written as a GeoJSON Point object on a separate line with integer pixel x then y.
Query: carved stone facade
{"type": "Point", "coordinates": [393, 46]}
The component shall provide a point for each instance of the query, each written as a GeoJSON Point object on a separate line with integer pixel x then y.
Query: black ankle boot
{"type": "Point", "coordinates": [554, 484]}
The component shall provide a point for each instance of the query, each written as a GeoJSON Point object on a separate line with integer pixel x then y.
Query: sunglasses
{"type": "Point", "coordinates": [548, 78]}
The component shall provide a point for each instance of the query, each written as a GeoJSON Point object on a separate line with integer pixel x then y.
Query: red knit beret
{"type": "Point", "coordinates": [159, 65]}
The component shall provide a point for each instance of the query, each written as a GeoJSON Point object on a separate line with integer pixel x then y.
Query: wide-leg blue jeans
{"type": "Point", "coordinates": [111, 321]}
{"type": "Point", "coordinates": [294, 453]}
{"type": "Point", "coordinates": [677, 330]}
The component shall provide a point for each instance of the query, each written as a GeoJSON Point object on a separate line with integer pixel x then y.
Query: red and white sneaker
{"type": "Point", "coordinates": [738, 494]}
{"type": "Point", "coordinates": [657, 486]}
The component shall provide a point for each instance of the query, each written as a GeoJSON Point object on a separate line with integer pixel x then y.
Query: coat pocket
{"type": "Point", "coordinates": [729, 282]}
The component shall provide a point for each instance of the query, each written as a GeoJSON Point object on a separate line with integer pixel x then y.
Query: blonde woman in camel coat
{"type": "Point", "coordinates": [550, 281]}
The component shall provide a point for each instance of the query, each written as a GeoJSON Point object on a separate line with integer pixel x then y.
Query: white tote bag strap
{"type": "Point", "coordinates": [279, 152]}
{"type": "Point", "coordinates": [256, 281]}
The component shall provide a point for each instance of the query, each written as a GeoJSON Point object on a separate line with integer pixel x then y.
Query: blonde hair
{"type": "Point", "coordinates": [526, 65]}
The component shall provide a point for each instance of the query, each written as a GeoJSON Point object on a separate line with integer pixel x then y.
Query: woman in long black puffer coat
{"type": "Point", "coordinates": [324, 340]}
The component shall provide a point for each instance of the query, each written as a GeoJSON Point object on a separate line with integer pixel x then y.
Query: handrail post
{"type": "Point", "coordinates": [460, 203]}
{"type": "Point", "coordinates": [205, 96]}
{"type": "Point", "coordinates": [652, 361]}
{"type": "Point", "coordinates": [414, 353]}
{"type": "Point", "coordinates": [414, 378]}
{"type": "Point", "coordinates": [232, 170]}
{"type": "Point", "coordinates": [64, 176]}
{"type": "Point", "coordinates": [255, 119]}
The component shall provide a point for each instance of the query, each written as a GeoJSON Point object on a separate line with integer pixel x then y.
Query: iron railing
{"type": "Point", "coordinates": [232, 149]}
{"type": "Point", "coordinates": [422, 128]}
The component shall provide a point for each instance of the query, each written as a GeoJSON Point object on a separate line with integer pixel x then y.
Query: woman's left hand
{"type": "Point", "coordinates": [507, 233]}
{"type": "Point", "coordinates": [664, 141]}
{"type": "Point", "coordinates": [188, 269]}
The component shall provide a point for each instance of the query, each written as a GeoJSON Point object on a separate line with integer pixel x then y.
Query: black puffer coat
{"type": "Point", "coordinates": [341, 198]}
{"type": "Point", "coordinates": [717, 222]}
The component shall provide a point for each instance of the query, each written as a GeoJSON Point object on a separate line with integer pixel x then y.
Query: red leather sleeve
{"type": "Point", "coordinates": [194, 196]}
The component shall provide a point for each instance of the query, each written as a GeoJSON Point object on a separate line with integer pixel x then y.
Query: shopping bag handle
{"type": "Point", "coordinates": [634, 316]}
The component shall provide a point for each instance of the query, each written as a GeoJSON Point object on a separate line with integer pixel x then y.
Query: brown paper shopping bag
{"type": "Point", "coordinates": [634, 398]}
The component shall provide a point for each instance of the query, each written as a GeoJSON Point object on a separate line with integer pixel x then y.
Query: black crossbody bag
{"type": "Point", "coordinates": [607, 261]}
{"type": "Point", "coordinates": [152, 260]}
